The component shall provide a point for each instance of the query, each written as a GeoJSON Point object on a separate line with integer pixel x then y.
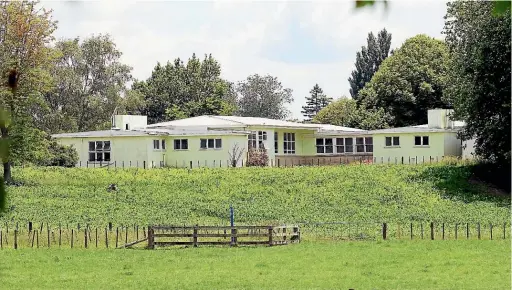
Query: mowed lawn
{"type": "Point", "coordinates": [321, 265]}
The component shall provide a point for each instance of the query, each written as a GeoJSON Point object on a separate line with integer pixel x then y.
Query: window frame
{"type": "Point", "coordinates": [214, 141]}
{"type": "Point", "coordinates": [103, 151]}
{"type": "Point", "coordinates": [276, 143]}
{"type": "Point", "coordinates": [157, 143]}
{"type": "Point", "coordinates": [392, 140]}
{"type": "Point", "coordinates": [365, 144]}
{"type": "Point", "coordinates": [324, 146]}
{"type": "Point", "coordinates": [289, 146]}
{"type": "Point", "coordinates": [422, 141]}
{"type": "Point", "coordinates": [180, 142]}
{"type": "Point", "coordinates": [252, 140]}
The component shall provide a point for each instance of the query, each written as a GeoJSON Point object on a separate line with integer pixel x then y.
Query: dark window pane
{"type": "Point", "coordinates": [156, 144]}
{"type": "Point", "coordinates": [203, 143]}
{"type": "Point", "coordinates": [417, 140]}
{"type": "Point", "coordinates": [285, 136]}
{"type": "Point", "coordinates": [218, 143]}
{"type": "Point", "coordinates": [340, 149]}
{"type": "Point", "coordinates": [328, 141]}
{"type": "Point", "coordinates": [320, 149]}
{"type": "Point", "coordinates": [177, 144]}
{"type": "Point", "coordinates": [388, 141]}
{"type": "Point", "coordinates": [285, 145]}
{"type": "Point", "coordinates": [99, 145]}
{"type": "Point", "coordinates": [107, 156]}
{"type": "Point", "coordinates": [106, 145]}
{"type": "Point", "coordinates": [425, 140]}
{"type": "Point", "coordinates": [369, 148]}
{"type": "Point", "coordinates": [368, 140]}
{"type": "Point", "coordinates": [184, 144]}
{"type": "Point", "coordinates": [293, 146]}
{"type": "Point", "coordinates": [261, 145]}
{"type": "Point", "coordinates": [349, 141]}
{"type": "Point", "coordinates": [360, 148]}
{"type": "Point", "coordinates": [396, 141]}
{"type": "Point", "coordinates": [210, 143]}
{"type": "Point", "coordinates": [99, 156]}
{"type": "Point", "coordinates": [92, 156]}
{"type": "Point", "coordinates": [349, 148]}
{"type": "Point", "coordinates": [329, 149]}
{"type": "Point", "coordinates": [163, 144]}
{"type": "Point", "coordinates": [293, 136]}
{"type": "Point", "coordinates": [91, 146]}
{"type": "Point", "coordinates": [319, 141]}
{"type": "Point", "coordinates": [339, 141]}
{"type": "Point", "coordinates": [359, 141]}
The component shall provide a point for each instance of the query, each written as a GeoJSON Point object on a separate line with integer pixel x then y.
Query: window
{"type": "Point", "coordinates": [324, 145]}
{"type": "Point", "coordinates": [276, 143]}
{"type": "Point", "coordinates": [211, 143]}
{"type": "Point", "coordinates": [163, 144]}
{"type": "Point", "coordinates": [392, 141]}
{"type": "Point", "coordinates": [252, 140]}
{"type": "Point", "coordinates": [156, 144]}
{"type": "Point", "coordinates": [421, 141]}
{"type": "Point", "coordinates": [364, 144]}
{"type": "Point", "coordinates": [99, 151]}
{"type": "Point", "coordinates": [262, 136]}
{"type": "Point", "coordinates": [289, 143]}
{"type": "Point", "coordinates": [344, 145]}
{"type": "Point", "coordinates": [127, 127]}
{"type": "Point", "coordinates": [181, 144]}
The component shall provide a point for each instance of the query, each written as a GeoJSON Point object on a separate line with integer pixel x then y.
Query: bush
{"type": "Point", "coordinates": [257, 157]}
{"type": "Point", "coordinates": [60, 155]}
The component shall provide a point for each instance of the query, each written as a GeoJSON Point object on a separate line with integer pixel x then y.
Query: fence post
{"type": "Point", "coordinates": [15, 239]}
{"type": "Point", "coordinates": [456, 227]}
{"type": "Point", "coordinates": [151, 238]}
{"type": "Point", "coordinates": [490, 228]}
{"type": "Point", "coordinates": [195, 236]}
{"type": "Point", "coordinates": [384, 230]}
{"type": "Point", "coordinates": [85, 237]}
{"type": "Point", "coordinates": [443, 230]}
{"type": "Point", "coordinates": [144, 166]}
{"type": "Point", "coordinates": [96, 237]}
{"type": "Point", "coordinates": [504, 230]}
{"type": "Point", "coordinates": [106, 238]}
{"type": "Point", "coordinates": [478, 229]}
{"type": "Point", "coordinates": [72, 233]}
{"type": "Point", "coordinates": [432, 230]}
{"type": "Point", "coordinates": [37, 239]}
{"type": "Point", "coordinates": [270, 236]}
{"type": "Point", "coordinates": [60, 235]}
{"type": "Point", "coordinates": [467, 231]}
{"type": "Point", "coordinates": [411, 226]}
{"type": "Point", "coordinates": [126, 236]}
{"type": "Point", "coordinates": [117, 236]}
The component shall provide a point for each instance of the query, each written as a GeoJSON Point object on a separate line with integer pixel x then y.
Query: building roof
{"type": "Point", "coordinates": [236, 121]}
{"type": "Point", "coordinates": [147, 132]}
{"type": "Point", "coordinates": [418, 129]}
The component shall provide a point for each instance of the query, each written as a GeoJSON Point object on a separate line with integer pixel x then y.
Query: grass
{"type": "Point", "coordinates": [320, 265]}
{"type": "Point", "coordinates": [367, 193]}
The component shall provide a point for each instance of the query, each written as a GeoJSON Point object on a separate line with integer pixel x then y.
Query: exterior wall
{"type": "Point", "coordinates": [123, 148]}
{"type": "Point", "coordinates": [452, 145]}
{"type": "Point", "coordinates": [468, 150]}
{"type": "Point", "coordinates": [133, 121]}
{"type": "Point", "coordinates": [205, 157]}
{"type": "Point", "coordinates": [410, 153]}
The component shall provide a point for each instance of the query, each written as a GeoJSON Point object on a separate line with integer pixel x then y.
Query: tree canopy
{"type": "Point", "coordinates": [368, 61]}
{"type": "Point", "coordinates": [480, 75]}
{"type": "Point", "coordinates": [263, 96]}
{"type": "Point", "coordinates": [410, 82]}
{"type": "Point", "coordinates": [315, 102]}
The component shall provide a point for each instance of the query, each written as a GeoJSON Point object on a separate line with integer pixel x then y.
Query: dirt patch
{"type": "Point", "coordinates": [489, 188]}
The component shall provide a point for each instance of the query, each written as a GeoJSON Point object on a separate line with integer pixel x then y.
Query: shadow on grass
{"type": "Point", "coordinates": [457, 182]}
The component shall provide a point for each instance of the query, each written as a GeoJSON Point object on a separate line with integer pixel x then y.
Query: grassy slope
{"type": "Point", "coordinates": [359, 265]}
{"type": "Point", "coordinates": [346, 193]}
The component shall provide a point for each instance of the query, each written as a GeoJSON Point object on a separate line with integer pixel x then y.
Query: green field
{"type": "Point", "coordinates": [355, 193]}
{"type": "Point", "coordinates": [320, 265]}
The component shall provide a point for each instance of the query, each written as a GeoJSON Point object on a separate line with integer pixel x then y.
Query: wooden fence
{"type": "Point", "coordinates": [158, 236]}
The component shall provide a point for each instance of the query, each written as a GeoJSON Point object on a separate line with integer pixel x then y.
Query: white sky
{"type": "Point", "coordinates": [301, 43]}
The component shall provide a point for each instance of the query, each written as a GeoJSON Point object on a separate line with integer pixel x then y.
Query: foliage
{"type": "Point", "coordinates": [176, 91]}
{"type": "Point", "coordinates": [346, 112]}
{"type": "Point", "coordinates": [257, 157]}
{"type": "Point", "coordinates": [89, 81]}
{"type": "Point", "coordinates": [263, 96]}
{"type": "Point", "coordinates": [480, 81]}
{"type": "Point", "coordinates": [61, 155]}
{"type": "Point", "coordinates": [316, 102]}
{"type": "Point", "coordinates": [368, 61]}
{"type": "Point", "coordinates": [369, 193]}
{"type": "Point", "coordinates": [410, 82]}
{"type": "Point", "coordinates": [235, 155]}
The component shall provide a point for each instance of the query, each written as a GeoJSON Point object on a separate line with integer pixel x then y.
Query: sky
{"type": "Point", "coordinates": [302, 43]}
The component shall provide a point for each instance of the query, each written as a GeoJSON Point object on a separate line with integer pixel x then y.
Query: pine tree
{"type": "Point", "coordinates": [368, 60]}
{"type": "Point", "coordinates": [316, 102]}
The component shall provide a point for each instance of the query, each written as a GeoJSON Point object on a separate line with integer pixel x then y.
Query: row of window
{"type": "Point", "coordinates": [182, 144]}
{"type": "Point", "coordinates": [418, 141]}
{"type": "Point", "coordinates": [344, 145]}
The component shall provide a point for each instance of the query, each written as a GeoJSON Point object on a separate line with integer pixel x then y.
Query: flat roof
{"type": "Point", "coordinates": [146, 132]}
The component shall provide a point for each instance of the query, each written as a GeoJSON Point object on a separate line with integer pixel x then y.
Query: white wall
{"type": "Point", "coordinates": [452, 145]}
{"type": "Point", "coordinates": [133, 121]}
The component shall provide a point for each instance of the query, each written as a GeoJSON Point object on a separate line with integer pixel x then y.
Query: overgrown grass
{"type": "Point", "coordinates": [356, 193]}
{"type": "Point", "coordinates": [343, 265]}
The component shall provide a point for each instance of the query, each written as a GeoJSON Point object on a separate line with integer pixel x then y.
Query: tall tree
{"type": "Point", "coordinates": [89, 81]}
{"type": "Point", "coordinates": [368, 60]}
{"type": "Point", "coordinates": [314, 103]}
{"type": "Point", "coordinates": [176, 90]}
{"type": "Point", "coordinates": [263, 96]}
{"type": "Point", "coordinates": [410, 82]}
{"type": "Point", "coordinates": [346, 112]}
{"type": "Point", "coordinates": [480, 81]}
{"type": "Point", "coordinates": [25, 34]}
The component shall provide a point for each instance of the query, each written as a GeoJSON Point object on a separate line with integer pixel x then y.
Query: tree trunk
{"type": "Point", "coordinates": [6, 162]}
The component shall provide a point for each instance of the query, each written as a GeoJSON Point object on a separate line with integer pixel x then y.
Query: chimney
{"type": "Point", "coordinates": [439, 119]}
